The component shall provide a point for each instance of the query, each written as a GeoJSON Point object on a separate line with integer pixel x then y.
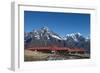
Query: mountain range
{"type": "Point", "coordinates": [46, 37]}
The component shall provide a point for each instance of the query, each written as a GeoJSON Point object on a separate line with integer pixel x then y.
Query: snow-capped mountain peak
{"type": "Point", "coordinates": [46, 29]}
{"type": "Point", "coordinates": [43, 33]}
{"type": "Point", "coordinates": [73, 36]}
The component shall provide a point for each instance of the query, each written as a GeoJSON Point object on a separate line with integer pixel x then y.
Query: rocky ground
{"type": "Point", "coordinates": [40, 56]}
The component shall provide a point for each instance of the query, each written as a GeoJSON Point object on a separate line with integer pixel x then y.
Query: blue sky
{"type": "Point", "coordinates": [61, 23]}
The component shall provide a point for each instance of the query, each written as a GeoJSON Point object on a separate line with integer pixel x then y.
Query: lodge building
{"type": "Point", "coordinates": [55, 49]}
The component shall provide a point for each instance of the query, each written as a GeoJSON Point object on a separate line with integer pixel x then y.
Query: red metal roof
{"type": "Point", "coordinates": [57, 48]}
{"type": "Point", "coordinates": [76, 49]}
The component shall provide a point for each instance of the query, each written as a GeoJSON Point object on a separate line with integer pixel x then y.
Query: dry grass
{"type": "Point", "coordinates": [34, 55]}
